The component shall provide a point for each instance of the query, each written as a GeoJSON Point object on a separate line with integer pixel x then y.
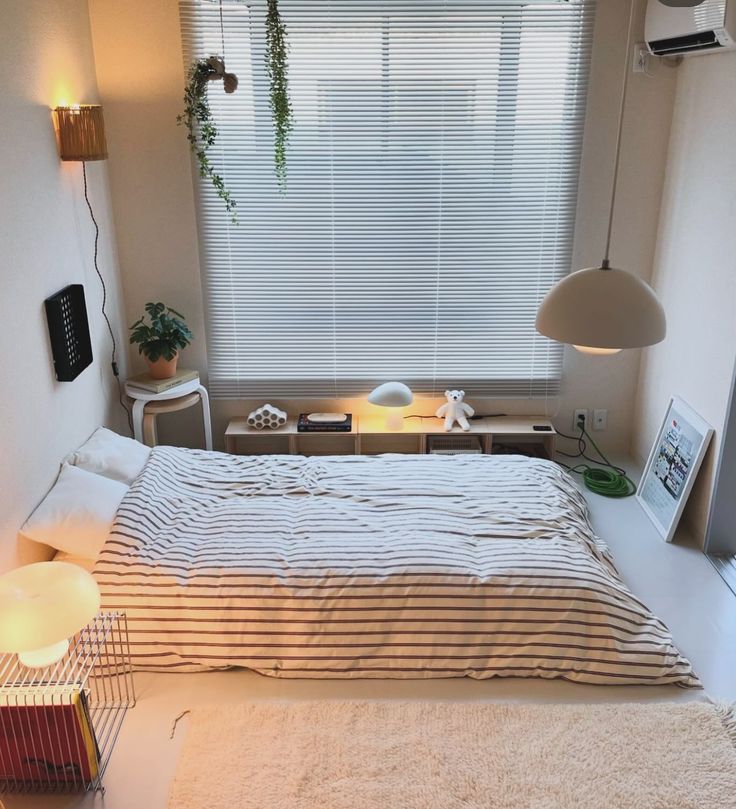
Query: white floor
{"type": "Point", "coordinates": [677, 582]}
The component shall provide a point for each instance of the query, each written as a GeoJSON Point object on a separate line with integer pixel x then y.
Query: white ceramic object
{"type": "Point", "coordinates": [267, 417]}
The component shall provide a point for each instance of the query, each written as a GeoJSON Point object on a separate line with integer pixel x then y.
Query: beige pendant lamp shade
{"type": "Point", "coordinates": [80, 131]}
{"type": "Point", "coordinates": [602, 310]}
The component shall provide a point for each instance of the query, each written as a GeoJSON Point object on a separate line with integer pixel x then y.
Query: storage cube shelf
{"type": "Point", "coordinates": [369, 436]}
{"type": "Point", "coordinates": [58, 725]}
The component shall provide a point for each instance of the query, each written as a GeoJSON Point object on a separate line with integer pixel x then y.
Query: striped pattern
{"type": "Point", "coordinates": [395, 566]}
{"type": "Point", "coordinates": [432, 188]}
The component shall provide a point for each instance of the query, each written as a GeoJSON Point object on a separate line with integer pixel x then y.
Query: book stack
{"type": "Point", "coordinates": [325, 423]}
{"type": "Point", "coordinates": [147, 383]}
{"type": "Point", "coordinates": [46, 737]}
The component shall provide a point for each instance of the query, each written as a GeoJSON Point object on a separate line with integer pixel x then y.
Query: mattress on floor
{"type": "Point", "coordinates": [389, 566]}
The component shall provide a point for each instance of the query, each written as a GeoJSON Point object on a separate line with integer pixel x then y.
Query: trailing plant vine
{"type": "Point", "coordinates": [278, 68]}
{"type": "Point", "coordinates": [197, 116]}
{"type": "Point", "coordinates": [201, 129]}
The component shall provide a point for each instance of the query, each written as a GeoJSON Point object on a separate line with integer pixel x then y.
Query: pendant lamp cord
{"type": "Point", "coordinates": [605, 264]}
{"type": "Point", "coordinates": [114, 353]}
{"type": "Point", "coordinates": [222, 33]}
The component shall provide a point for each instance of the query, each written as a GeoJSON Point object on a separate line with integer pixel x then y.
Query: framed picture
{"type": "Point", "coordinates": [672, 466]}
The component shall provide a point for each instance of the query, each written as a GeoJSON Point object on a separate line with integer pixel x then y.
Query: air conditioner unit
{"type": "Point", "coordinates": [688, 27]}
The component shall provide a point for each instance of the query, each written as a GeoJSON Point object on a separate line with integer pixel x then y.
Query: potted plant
{"type": "Point", "coordinates": [161, 339]}
{"type": "Point", "coordinates": [197, 117]}
{"type": "Point", "coordinates": [201, 128]}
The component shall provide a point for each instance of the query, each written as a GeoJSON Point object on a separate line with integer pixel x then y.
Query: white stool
{"type": "Point", "coordinates": [147, 405]}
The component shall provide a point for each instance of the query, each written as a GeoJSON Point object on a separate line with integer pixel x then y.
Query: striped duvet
{"type": "Point", "coordinates": [391, 566]}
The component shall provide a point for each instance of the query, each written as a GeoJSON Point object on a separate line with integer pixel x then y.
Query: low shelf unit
{"type": "Point", "coordinates": [369, 436]}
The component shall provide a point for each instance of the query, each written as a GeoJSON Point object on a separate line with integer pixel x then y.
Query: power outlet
{"type": "Point", "coordinates": [576, 418]}
{"type": "Point", "coordinates": [641, 59]}
{"type": "Point", "coordinates": [600, 419]}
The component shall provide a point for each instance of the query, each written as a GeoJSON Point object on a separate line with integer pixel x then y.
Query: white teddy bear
{"type": "Point", "coordinates": [455, 410]}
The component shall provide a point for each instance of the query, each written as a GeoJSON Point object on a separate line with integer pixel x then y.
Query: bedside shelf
{"type": "Point", "coordinates": [93, 681]}
{"type": "Point", "coordinates": [495, 431]}
{"type": "Point", "coordinates": [369, 436]}
{"type": "Point", "coordinates": [329, 443]}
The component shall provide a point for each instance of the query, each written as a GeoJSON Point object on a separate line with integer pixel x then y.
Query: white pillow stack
{"type": "Point", "coordinates": [111, 455]}
{"type": "Point", "coordinates": [77, 514]}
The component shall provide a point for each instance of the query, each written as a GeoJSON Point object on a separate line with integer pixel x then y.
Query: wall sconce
{"type": "Point", "coordinates": [80, 132]}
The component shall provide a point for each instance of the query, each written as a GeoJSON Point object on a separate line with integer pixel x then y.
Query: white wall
{"type": "Point", "coordinates": [46, 237]}
{"type": "Point", "coordinates": [141, 79]}
{"type": "Point", "coordinates": [695, 268]}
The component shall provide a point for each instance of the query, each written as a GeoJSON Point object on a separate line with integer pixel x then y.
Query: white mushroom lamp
{"type": "Point", "coordinates": [392, 395]}
{"type": "Point", "coordinates": [41, 607]}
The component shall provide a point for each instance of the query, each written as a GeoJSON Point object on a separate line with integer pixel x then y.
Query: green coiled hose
{"type": "Point", "coordinates": [605, 479]}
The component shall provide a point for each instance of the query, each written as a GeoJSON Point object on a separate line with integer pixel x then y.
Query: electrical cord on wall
{"type": "Point", "coordinates": [114, 353]}
{"type": "Point", "coordinates": [476, 417]}
{"type": "Point", "coordinates": [610, 481]}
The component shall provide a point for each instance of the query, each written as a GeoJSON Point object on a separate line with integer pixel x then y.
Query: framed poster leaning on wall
{"type": "Point", "coordinates": [672, 466]}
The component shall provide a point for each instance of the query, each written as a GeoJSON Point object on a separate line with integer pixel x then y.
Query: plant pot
{"type": "Point", "coordinates": [162, 368]}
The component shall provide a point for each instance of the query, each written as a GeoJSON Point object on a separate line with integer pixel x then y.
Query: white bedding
{"type": "Point", "coordinates": [395, 566]}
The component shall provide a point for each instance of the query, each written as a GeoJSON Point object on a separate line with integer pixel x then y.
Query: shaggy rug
{"type": "Point", "coordinates": [427, 755]}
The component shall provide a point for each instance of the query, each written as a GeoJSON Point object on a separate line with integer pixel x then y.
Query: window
{"type": "Point", "coordinates": [432, 179]}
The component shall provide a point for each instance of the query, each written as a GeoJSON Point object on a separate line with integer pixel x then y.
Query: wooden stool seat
{"type": "Point", "coordinates": [147, 406]}
{"type": "Point", "coordinates": [153, 409]}
{"type": "Point", "coordinates": [171, 405]}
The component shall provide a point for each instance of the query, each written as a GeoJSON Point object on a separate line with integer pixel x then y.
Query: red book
{"type": "Point", "coordinates": [44, 742]}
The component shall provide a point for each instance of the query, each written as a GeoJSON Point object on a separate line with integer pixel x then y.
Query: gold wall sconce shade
{"type": "Point", "coordinates": [80, 130]}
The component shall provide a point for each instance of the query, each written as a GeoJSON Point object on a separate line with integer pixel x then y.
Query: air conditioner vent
{"type": "Point", "coordinates": [455, 445]}
{"type": "Point", "coordinates": [690, 27]}
{"type": "Point", "coordinates": [686, 44]}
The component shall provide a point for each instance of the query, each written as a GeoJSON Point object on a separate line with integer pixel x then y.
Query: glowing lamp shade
{"type": "Point", "coordinates": [601, 311]}
{"type": "Point", "coordinates": [41, 607]}
{"type": "Point", "coordinates": [392, 395]}
{"type": "Point", "coordinates": [80, 131]}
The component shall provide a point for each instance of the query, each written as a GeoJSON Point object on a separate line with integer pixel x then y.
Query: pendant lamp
{"type": "Point", "coordinates": [602, 310]}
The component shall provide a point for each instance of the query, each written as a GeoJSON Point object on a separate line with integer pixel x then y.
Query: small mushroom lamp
{"type": "Point", "coordinates": [41, 606]}
{"type": "Point", "coordinates": [392, 395]}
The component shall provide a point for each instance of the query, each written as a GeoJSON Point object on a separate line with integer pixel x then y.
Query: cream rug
{"type": "Point", "coordinates": [429, 755]}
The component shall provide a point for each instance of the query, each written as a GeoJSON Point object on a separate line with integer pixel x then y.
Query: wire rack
{"type": "Point", "coordinates": [58, 725]}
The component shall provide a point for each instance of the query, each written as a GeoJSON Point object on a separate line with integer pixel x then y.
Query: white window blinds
{"type": "Point", "coordinates": [432, 178]}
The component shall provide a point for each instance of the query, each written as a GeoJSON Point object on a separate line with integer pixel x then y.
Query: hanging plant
{"type": "Point", "coordinates": [197, 117]}
{"type": "Point", "coordinates": [277, 67]}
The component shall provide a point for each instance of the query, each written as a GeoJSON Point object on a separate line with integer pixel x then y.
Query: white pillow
{"type": "Point", "coordinates": [79, 561]}
{"type": "Point", "coordinates": [77, 514]}
{"type": "Point", "coordinates": [112, 455]}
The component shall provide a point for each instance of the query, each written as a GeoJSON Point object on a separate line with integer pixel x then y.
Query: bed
{"type": "Point", "coordinates": [390, 566]}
